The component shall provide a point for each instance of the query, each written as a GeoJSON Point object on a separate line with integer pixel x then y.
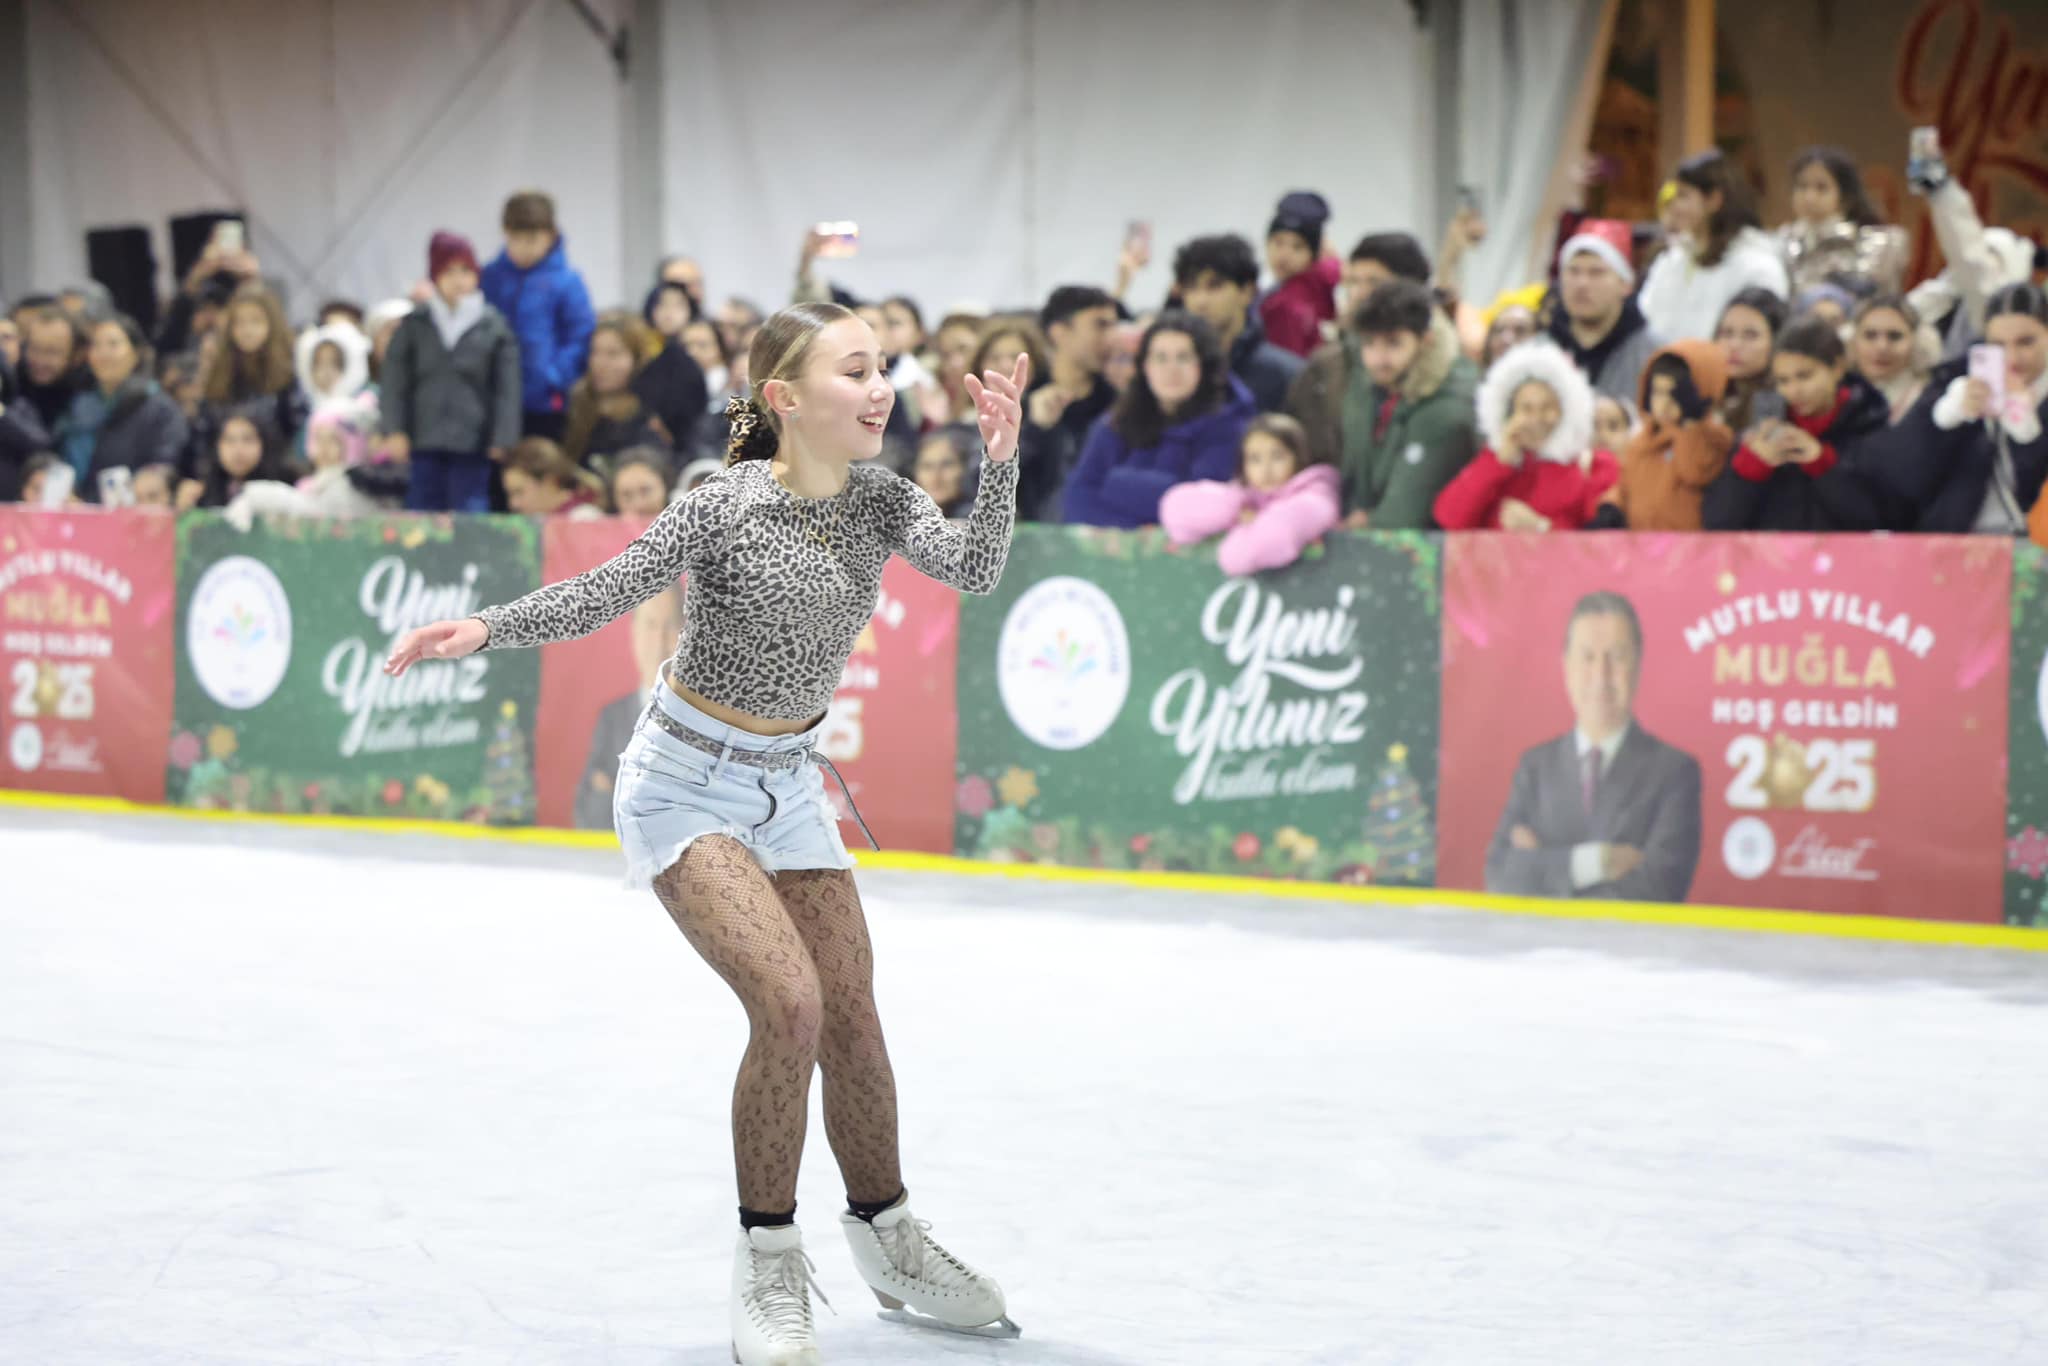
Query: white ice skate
{"type": "Point", "coordinates": [904, 1267]}
{"type": "Point", "coordinates": [771, 1300]}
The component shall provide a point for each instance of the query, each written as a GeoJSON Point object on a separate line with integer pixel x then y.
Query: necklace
{"type": "Point", "coordinates": [812, 531]}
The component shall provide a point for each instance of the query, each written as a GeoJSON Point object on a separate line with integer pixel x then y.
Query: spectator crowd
{"type": "Point", "coordinates": [1698, 373]}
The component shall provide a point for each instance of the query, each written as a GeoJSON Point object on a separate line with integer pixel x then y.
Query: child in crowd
{"type": "Point", "coordinates": [548, 306]}
{"type": "Point", "coordinates": [540, 481]}
{"type": "Point", "coordinates": [450, 402]}
{"type": "Point", "coordinates": [1614, 421]}
{"type": "Point", "coordinates": [940, 469]}
{"type": "Point", "coordinates": [249, 448]}
{"type": "Point", "coordinates": [35, 475]}
{"type": "Point", "coordinates": [342, 483]}
{"type": "Point", "coordinates": [1539, 469]}
{"type": "Point", "coordinates": [156, 486]}
{"type": "Point", "coordinates": [1303, 299]}
{"type": "Point", "coordinates": [1681, 447]}
{"type": "Point", "coordinates": [641, 482]}
{"type": "Point", "coordinates": [1805, 472]}
{"type": "Point", "coordinates": [333, 363]}
{"type": "Point", "coordinates": [1279, 503]}
{"type": "Point", "coordinates": [251, 363]}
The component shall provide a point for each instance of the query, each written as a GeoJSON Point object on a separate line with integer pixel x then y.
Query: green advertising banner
{"type": "Point", "coordinates": [282, 701]}
{"type": "Point", "coordinates": [1124, 705]}
{"type": "Point", "coordinates": [2026, 791]}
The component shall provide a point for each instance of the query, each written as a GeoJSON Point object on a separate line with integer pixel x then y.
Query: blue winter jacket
{"type": "Point", "coordinates": [549, 309]}
{"type": "Point", "coordinates": [1114, 485]}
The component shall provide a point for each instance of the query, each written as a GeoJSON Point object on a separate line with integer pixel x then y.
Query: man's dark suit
{"type": "Point", "coordinates": [1649, 799]}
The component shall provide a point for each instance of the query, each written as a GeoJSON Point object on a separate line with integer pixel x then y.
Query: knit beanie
{"type": "Point", "coordinates": [1302, 213]}
{"type": "Point", "coordinates": [447, 249]}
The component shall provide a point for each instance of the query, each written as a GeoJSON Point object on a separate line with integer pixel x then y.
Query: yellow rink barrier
{"type": "Point", "coordinates": [1634, 912]}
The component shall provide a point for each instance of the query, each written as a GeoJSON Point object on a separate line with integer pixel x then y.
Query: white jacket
{"type": "Point", "coordinates": [1684, 300]}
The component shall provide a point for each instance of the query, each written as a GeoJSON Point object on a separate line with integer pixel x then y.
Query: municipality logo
{"type": "Point", "coordinates": [238, 632]}
{"type": "Point", "coordinates": [1063, 664]}
{"type": "Point", "coordinates": [1749, 848]}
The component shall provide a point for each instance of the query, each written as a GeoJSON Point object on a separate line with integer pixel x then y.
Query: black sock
{"type": "Point", "coordinates": [753, 1218]}
{"type": "Point", "coordinates": [868, 1209]}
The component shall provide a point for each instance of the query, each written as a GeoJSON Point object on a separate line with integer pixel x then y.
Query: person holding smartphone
{"type": "Point", "coordinates": [1971, 455]}
{"type": "Point", "coordinates": [1801, 465]}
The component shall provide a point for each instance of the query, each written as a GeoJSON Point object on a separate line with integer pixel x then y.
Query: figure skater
{"type": "Point", "coordinates": [719, 804]}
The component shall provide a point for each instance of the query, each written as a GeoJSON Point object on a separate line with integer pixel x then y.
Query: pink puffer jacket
{"type": "Point", "coordinates": [1286, 519]}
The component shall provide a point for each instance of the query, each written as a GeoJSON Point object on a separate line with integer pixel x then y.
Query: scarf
{"type": "Point", "coordinates": [451, 323]}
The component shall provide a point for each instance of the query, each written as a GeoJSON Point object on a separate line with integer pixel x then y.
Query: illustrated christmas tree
{"type": "Point", "coordinates": [1397, 823]}
{"type": "Point", "coordinates": [508, 775]}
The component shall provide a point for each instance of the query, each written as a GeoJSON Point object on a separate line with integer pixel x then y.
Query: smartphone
{"type": "Point", "coordinates": [1768, 406]}
{"type": "Point", "coordinates": [1925, 142]}
{"type": "Point", "coordinates": [230, 235]}
{"type": "Point", "coordinates": [1468, 200]}
{"type": "Point", "coordinates": [841, 237]}
{"type": "Point", "coordinates": [1987, 363]}
{"type": "Point", "coordinates": [1138, 233]}
{"type": "Point", "coordinates": [57, 484]}
{"type": "Point", "coordinates": [117, 487]}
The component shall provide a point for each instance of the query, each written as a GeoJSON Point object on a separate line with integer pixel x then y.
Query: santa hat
{"type": "Point", "coordinates": [1607, 238]}
{"type": "Point", "coordinates": [445, 250]}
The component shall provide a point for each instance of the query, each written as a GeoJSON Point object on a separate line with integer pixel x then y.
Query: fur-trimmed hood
{"type": "Point", "coordinates": [355, 359]}
{"type": "Point", "coordinates": [1542, 361]}
{"type": "Point", "coordinates": [1432, 365]}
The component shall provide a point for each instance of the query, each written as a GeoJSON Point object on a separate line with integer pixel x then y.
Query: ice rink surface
{"type": "Point", "coordinates": [269, 1096]}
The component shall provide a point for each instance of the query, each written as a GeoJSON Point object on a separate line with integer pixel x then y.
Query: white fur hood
{"type": "Point", "coordinates": [1542, 360]}
{"type": "Point", "coordinates": [355, 358]}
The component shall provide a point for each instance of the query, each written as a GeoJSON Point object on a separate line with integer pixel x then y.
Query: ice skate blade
{"type": "Point", "coordinates": [1002, 1329]}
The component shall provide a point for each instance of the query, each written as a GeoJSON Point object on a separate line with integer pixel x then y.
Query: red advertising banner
{"type": "Point", "coordinates": [1805, 722]}
{"type": "Point", "coordinates": [890, 732]}
{"type": "Point", "coordinates": [86, 613]}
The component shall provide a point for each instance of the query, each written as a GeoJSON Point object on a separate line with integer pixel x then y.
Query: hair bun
{"type": "Point", "coordinates": [753, 436]}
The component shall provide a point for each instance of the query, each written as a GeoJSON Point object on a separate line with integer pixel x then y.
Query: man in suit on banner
{"type": "Point", "coordinates": [1606, 810]}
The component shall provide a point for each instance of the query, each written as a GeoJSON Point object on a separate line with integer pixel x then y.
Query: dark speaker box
{"type": "Point", "coordinates": [123, 261]}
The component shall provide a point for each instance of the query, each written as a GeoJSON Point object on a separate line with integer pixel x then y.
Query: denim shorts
{"type": "Point", "coordinates": [671, 794]}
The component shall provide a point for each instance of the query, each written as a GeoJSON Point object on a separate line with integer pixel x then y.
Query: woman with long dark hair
{"type": "Point", "coordinates": [1718, 251]}
{"type": "Point", "coordinates": [719, 805]}
{"type": "Point", "coordinates": [1180, 418]}
{"type": "Point", "coordinates": [1835, 233]}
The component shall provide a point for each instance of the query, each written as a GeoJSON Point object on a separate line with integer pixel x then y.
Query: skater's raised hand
{"type": "Point", "coordinates": [439, 640]}
{"type": "Point", "coordinates": [999, 406]}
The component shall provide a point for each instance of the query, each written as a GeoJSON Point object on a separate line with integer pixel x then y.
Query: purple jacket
{"type": "Point", "coordinates": [1114, 485]}
{"type": "Point", "coordinates": [1286, 520]}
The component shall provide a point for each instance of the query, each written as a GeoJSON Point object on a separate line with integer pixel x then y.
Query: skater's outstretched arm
{"type": "Point", "coordinates": [680, 538]}
{"type": "Point", "coordinates": [970, 556]}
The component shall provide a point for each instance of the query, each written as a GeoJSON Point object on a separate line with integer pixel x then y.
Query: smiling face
{"type": "Point", "coordinates": [1173, 369]}
{"type": "Point", "coordinates": [1600, 672]}
{"type": "Point", "coordinates": [112, 356]}
{"type": "Point", "coordinates": [637, 491]}
{"type": "Point", "coordinates": [1745, 338]}
{"type": "Point", "coordinates": [838, 406]}
{"type": "Point", "coordinates": [1883, 345]}
{"type": "Point", "coordinates": [1536, 411]}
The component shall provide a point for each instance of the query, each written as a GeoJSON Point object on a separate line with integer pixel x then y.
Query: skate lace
{"type": "Point", "coordinates": [778, 1292]}
{"type": "Point", "coordinates": [907, 1246]}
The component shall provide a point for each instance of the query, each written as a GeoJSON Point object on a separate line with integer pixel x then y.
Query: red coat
{"type": "Point", "coordinates": [1560, 490]}
{"type": "Point", "coordinates": [1295, 310]}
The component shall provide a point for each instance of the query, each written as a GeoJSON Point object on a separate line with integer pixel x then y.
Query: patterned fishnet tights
{"type": "Point", "coordinates": [795, 950]}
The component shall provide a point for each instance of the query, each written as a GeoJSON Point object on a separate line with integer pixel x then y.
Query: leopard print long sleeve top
{"type": "Point", "coordinates": [779, 586]}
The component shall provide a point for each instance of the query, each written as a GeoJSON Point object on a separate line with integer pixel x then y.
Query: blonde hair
{"type": "Point", "coordinates": [780, 349]}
